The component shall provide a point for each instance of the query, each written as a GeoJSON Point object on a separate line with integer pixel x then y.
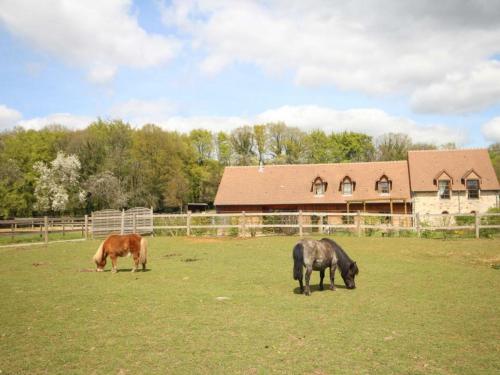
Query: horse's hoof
{"type": "Point", "coordinates": [133, 270]}
{"type": "Point", "coordinates": [114, 271]}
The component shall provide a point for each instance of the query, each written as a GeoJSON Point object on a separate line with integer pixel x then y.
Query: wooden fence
{"type": "Point", "coordinates": [43, 229]}
{"type": "Point", "coordinates": [304, 223]}
{"type": "Point", "coordinates": [245, 224]}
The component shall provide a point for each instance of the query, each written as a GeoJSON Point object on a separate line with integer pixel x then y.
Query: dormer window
{"type": "Point", "coordinates": [347, 186]}
{"type": "Point", "coordinates": [472, 182]}
{"type": "Point", "coordinates": [383, 185]}
{"type": "Point", "coordinates": [472, 189]}
{"type": "Point", "coordinates": [444, 189]}
{"type": "Point", "coordinates": [319, 186]}
{"type": "Point", "coordinates": [443, 180]}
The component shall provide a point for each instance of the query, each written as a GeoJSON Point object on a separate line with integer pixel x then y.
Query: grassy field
{"type": "Point", "coordinates": [421, 306]}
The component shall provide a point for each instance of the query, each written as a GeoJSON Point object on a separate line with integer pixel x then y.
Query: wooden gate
{"type": "Point", "coordinates": [135, 220]}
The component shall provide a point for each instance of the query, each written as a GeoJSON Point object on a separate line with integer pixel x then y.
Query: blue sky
{"type": "Point", "coordinates": [425, 69]}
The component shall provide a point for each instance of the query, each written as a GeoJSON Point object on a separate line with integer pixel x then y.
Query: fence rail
{"type": "Point", "coordinates": [45, 229]}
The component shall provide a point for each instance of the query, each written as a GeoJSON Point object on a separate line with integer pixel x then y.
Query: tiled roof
{"type": "Point", "coordinates": [425, 165]}
{"type": "Point", "coordinates": [291, 184]}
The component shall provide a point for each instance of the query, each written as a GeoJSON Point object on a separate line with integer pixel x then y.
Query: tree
{"type": "Point", "coordinates": [293, 146]}
{"type": "Point", "coordinates": [202, 142]}
{"type": "Point", "coordinates": [104, 190]}
{"type": "Point", "coordinates": [58, 183]}
{"type": "Point", "coordinates": [393, 146]}
{"type": "Point", "coordinates": [276, 133]}
{"type": "Point", "coordinates": [242, 140]}
{"type": "Point", "coordinates": [422, 146]}
{"type": "Point", "coordinates": [494, 151]}
{"type": "Point", "coordinates": [224, 149]}
{"type": "Point", "coordinates": [260, 136]}
{"type": "Point", "coordinates": [319, 148]}
{"type": "Point", "coordinates": [351, 146]}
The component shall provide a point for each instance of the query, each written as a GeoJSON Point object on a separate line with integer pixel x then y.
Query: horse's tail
{"type": "Point", "coordinates": [298, 261]}
{"type": "Point", "coordinates": [144, 251]}
{"type": "Point", "coordinates": [99, 254]}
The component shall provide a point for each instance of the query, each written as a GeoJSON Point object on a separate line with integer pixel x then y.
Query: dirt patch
{"type": "Point", "coordinates": [171, 255]}
{"type": "Point", "coordinates": [38, 264]}
{"type": "Point", "coordinates": [187, 260]}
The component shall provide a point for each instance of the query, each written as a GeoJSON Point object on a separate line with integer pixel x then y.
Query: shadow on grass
{"type": "Point", "coordinates": [129, 270]}
{"type": "Point", "coordinates": [315, 288]}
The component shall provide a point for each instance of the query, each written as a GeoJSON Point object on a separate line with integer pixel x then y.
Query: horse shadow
{"type": "Point", "coordinates": [315, 288]}
{"type": "Point", "coordinates": [128, 270]}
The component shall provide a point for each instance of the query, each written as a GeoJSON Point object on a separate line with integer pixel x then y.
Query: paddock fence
{"type": "Point", "coordinates": [246, 224]}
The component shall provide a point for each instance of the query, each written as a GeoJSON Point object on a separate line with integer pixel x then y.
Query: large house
{"type": "Point", "coordinates": [434, 181]}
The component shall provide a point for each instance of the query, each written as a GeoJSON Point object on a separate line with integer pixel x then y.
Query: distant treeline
{"type": "Point", "coordinates": [112, 165]}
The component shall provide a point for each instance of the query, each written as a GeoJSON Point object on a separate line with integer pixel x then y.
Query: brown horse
{"type": "Point", "coordinates": [119, 246]}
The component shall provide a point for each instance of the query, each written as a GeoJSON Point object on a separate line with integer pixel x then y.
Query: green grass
{"type": "Point", "coordinates": [421, 306]}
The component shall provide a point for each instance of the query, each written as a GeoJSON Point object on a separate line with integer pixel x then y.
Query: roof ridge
{"type": "Point", "coordinates": [448, 150]}
{"type": "Point", "coordinates": [310, 164]}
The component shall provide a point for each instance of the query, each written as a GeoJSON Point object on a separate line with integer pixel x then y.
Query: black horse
{"type": "Point", "coordinates": [319, 255]}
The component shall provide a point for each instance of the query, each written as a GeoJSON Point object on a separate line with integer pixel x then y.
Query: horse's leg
{"type": "Point", "coordinates": [332, 276]}
{"type": "Point", "coordinates": [308, 278]}
{"type": "Point", "coordinates": [301, 283]}
{"type": "Point", "coordinates": [321, 277]}
{"type": "Point", "coordinates": [114, 262]}
{"type": "Point", "coordinates": [136, 262]}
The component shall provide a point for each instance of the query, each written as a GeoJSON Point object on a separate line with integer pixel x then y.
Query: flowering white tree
{"type": "Point", "coordinates": [56, 182]}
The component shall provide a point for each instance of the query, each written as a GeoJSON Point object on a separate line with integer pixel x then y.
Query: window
{"type": "Point", "coordinates": [472, 189]}
{"type": "Point", "coordinates": [347, 187]}
{"type": "Point", "coordinates": [383, 186]}
{"type": "Point", "coordinates": [444, 189]}
{"type": "Point", "coordinates": [319, 187]}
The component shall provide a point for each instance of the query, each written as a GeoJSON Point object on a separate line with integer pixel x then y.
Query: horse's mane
{"type": "Point", "coordinates": [343, 259]}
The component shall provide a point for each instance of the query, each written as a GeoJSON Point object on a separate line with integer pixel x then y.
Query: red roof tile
{"type": "Point", "coordinates": [291, 184]}
{"type": "Point", "coordinates": [425, 165]}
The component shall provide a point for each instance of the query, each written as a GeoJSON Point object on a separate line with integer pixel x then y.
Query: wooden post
{"type": "Point", "coordinates": [321, 224]}
{"type": "Point", "coordinates": [46, 229]}
{"type": "Point", "coordinates": [86, 235]}
{"type": "Point", "coordinates": [358, 223]}
{"type": "Point", "coordinates": [63, 227]}
{"type": "Point", "coordinates": [122, 225]}
{"type": "Point", "coordinates": [417, 223]}
{"type": "Point", "coordinates": [188, 223]}
{"type": "Point", "coordinates": [477, 223]}
{"type": "Point", "coordinates": [243, 224]}
{"type": "Point", "coordinates": [134, 223]}
{"type": "Point", "coordinates": [12, 231]}
{"type": "Point", "coordinates": [301, 230]}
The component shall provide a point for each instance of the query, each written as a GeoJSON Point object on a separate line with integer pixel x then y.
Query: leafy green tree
{"type": "Point", "coordinates": [393, 146]}
{"type": "Point", "coordinates": [423, 146]}
{"type": "Point", "coordinates": [293, 146]}
{"type": "Point", "coordinates": [202, 142]}
{"type": "Point", "coordinates": [351, 146]}
{"type": "Point", "coordinates": [319, 148]}
{"type": "Point", "coordinates": [494, 151]}
{"type": "Point", "coordinates": [104, 190]}
{"type": "Point", "coordinates": [224, 149]}
{"type": "Point", "coordinates": [260, 136]}
{"type": "Point", "coordinates": [277, 136]}
{"type": "Point", "coordinates": [242, 140]}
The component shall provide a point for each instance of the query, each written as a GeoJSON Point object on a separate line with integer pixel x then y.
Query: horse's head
{"type": "Point", "coordinates": [100, 264]}
{"type": "Point", "coordinates": [349, 274]}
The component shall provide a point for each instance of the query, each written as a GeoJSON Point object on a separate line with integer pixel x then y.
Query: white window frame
{"type": "Point", "coordinates": [449, 189]}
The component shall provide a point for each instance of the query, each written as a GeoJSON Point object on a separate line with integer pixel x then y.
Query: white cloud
{"type": "Point", "coordinates": [378, 47]}
{"type": "Point", "coordinates": [98, 35]}
{"type": "Point", "coordinates": [140, 112]}
{"type": "Point", "coordinates": [370, 121]}
{"type": "Point", "coordinates": [65, 119]}
{"type": "Point", "coordinates": [213, 123]}
{"type": "Point", "coordinates": [491, 130]}
{"type": "Point", "coordinates": [8, 117]}
{"type": "Point", "coordinates": [459, 93]}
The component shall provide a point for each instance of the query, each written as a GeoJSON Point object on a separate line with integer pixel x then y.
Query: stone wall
{"type": "Point", "coordinates": [429, 202]}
